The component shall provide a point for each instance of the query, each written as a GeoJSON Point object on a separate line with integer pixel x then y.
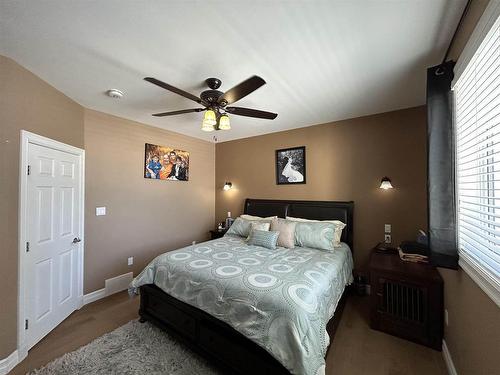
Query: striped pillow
{"type": "Point", "coordinates": [264, 238]}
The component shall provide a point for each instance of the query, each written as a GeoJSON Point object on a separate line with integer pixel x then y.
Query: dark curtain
{"type": "Point", "coordinates": [441, 167]}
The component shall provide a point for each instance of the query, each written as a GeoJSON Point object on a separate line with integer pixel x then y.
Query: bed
{"type": "Point", "coordinates": [251, 309]}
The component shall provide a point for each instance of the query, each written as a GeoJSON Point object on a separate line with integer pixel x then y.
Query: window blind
{"type": "Point", "coordinates": [477, 123]}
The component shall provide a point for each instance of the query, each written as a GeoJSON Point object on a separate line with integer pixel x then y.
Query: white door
{"type": "Point", "coordinates": [52, 271]}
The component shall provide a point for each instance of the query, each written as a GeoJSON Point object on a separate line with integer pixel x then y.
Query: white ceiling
{"type": "Point", "coordinates": [322, 60]}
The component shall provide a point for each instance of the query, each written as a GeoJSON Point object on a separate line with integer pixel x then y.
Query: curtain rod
{"type": "Point", "coordinates": [464, 13]}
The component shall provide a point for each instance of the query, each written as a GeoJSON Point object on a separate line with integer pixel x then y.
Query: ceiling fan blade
{"type": "Point", "coordinates": [240, 91]}
{"type": "Point", "coordinates": [248, 112]}
{"type": "Point", "coordinates": [168, 87]}
{"type": "Point", "coordinates": [162, 114]}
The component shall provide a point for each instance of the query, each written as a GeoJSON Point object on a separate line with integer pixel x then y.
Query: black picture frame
{"type": "Point", "coordinates": [298, 166]}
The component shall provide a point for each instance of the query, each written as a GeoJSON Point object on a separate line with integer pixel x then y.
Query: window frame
{"type": "Point", "coordinates": [468, 261]}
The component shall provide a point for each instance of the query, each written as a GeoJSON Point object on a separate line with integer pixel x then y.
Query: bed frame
{"type": "Point", "coordinates": [217, 340]}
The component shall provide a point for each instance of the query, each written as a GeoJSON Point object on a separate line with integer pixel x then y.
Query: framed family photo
{"type": "Point", "coordinates": [291, 166]}
{"type": "Point", "coordinates": [165, 163]}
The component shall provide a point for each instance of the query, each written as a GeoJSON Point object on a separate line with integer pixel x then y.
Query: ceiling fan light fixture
{"type": "Point", "coordinates": [224, 123]}
{"type": "Point", "coordinates": [209, 121]}
{"type": "Point", "coordinates": [206, 127]}
{"type": "Point", "coordinates": [210, 117]}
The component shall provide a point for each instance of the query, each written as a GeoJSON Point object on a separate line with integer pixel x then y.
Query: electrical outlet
{"type": "Point", "coordinates": [387, 238]}
{"type": "Point", "coordinates": [387, 228]}
{"type": "Point", "coordinates": [100, 211]}
{"type": "Point", "coordinates": [130, 261]}
{"type": "Point", "coordinates": [446, 317]}
{"type": "Point", "coordinates": [193, 243]}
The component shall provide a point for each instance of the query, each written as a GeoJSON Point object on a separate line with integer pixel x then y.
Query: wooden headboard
{"type": "Point", "coordinates": [313, 210]}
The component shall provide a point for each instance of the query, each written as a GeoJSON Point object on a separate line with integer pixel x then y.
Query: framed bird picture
{"type": "Point", "coordinates": [291, 166]}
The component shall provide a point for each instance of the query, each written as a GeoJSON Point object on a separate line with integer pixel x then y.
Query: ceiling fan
{"type": "Point", "coordinates": [215, 102]}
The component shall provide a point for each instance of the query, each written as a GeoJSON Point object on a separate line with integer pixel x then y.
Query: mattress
{"type": "Point", "coordinates": [280, 299]}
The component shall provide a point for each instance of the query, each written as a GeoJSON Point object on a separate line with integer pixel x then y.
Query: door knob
{"type": "Point", "coordinates": [76, 240]}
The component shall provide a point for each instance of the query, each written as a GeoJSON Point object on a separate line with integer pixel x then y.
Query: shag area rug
{"type": "Point", "coordinates": [135, 348]}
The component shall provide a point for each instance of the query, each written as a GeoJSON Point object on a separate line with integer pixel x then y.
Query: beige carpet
{"type": "Point", "coordinates": [359, 350]}
{"type": "Point", "coordinates": [132, 349]}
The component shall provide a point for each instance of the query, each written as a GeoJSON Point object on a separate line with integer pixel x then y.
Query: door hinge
{"type": "Point", "coordinates": [29, 170]}
{"type": "Point", "coordinates": [26, 324]}
{"type": "Point", "coordinates": [27, 247]}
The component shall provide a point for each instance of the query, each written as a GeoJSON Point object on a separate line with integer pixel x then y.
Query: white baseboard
{"type": "Point", "coordinates": [94, 296]}
{"type": "Point", "coordinates": [448, 361]}
{"type": "Point", "coordinates": [118, 283]}
{"type": "Point", "coordinates": [112, 286]}
{"type": "Point", "coordinates": [8, 363]}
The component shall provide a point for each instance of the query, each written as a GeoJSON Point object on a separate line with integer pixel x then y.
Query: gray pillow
{"type": "Point", "coordinates": [242, 227]}
{"type": "Point", "coordinates": [317, 235]}
{"type": "Point", "coordinates": [264, 238]}
{"type": "Point", "coordinates": [286, 228]}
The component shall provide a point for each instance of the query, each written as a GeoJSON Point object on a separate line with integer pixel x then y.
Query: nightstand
{"type": "Point", "coordinates": [406, 299]}
{"type": "Point", "coordinates": [214, 234]}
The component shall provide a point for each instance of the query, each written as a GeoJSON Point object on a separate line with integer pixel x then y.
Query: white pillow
{"type": "Point", "coordinates": [251, 217]}
{"type": "Point", "coordinates": [338, 227]}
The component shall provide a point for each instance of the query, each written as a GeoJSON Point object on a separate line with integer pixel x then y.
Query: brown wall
{"type": "Point", "coordinates": [144, 217]}
{"type": "Point", "coordinates": [473, 332]}
{"type": "Point", "coordinates": [345, 161]}
{"type": "Point", "coordinates": [26, 102]}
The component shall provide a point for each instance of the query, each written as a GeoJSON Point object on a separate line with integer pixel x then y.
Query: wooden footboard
{"type": "Point", "coordinates": [212, 337]}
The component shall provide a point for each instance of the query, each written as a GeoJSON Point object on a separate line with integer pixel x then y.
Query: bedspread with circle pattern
{"type": "Point", "coordinates": [281, 299]}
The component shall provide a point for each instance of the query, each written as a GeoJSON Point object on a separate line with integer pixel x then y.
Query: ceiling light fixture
{"type": "Point", "coordinates": [115, 94]}
{"type": "Point", "coordinates": [209, 121]}
{"type": "Point", "coordinates": [385, 183]}
{"type": "Point", "coordinates": [224, 123]}
{"type": "Point", "coordinates": [216, 103]}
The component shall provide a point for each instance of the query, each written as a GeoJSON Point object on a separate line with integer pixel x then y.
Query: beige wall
{"type": "Point", "coordinates": [474, 13]}
{"type": "Point", "coordinates": [26, 102]}
{"type": "Point", "coordinates": [144, 217]}
{"type": "Point", "coordinates": [473, 333]}
{"type": "Point", "coordinates": [345, 161]}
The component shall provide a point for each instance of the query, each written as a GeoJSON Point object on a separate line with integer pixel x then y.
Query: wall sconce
{"type": "Point", "coordinates": [227, 186]}
{"type": "Point", "coordinates": [385, 183]}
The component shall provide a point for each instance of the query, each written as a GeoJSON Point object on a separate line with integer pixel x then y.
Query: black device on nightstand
{"type": "Point", "coordinates": [214, 234]}
{"type": "Point", "coordinates": [406, 299]}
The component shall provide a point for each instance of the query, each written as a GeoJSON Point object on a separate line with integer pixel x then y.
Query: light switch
{"type": "Point", "coordinates": [387, 228]}
{"type": "Point", "coordinates": [130, 261]}
{"type": "Point", "coordinates": [100, 211]}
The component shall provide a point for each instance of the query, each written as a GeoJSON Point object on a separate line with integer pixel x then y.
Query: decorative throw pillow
{"type": "Point", "coordinates": [264, 238]}
{"type": "Point", "coordinates": [258, 225]}
{"type": "Point", "coordinates": [258, 218]}
{"type": "Point", "coordinates": [242, 227]}
{"type": "Point", "coordinates": [318, 235]}
{"type": "Point", "coordinates": [286, 229]}
{"type": "Point", "coordinates": [339, 226]}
